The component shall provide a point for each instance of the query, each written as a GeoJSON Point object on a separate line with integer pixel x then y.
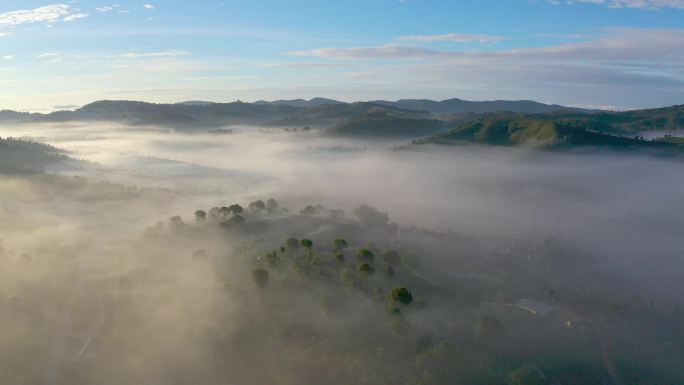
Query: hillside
{"type": "Point", "coordinates": [518, 130]}
{"type": "Point", "coordinates": [20, 156]}
{"type": "Point", "coordinates": [626, 122]}
{"type": "Point", "coordinates": [387, 125]}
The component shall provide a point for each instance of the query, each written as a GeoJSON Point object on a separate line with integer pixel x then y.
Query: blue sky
{"type": "Point", "coordinates": [607, 53]}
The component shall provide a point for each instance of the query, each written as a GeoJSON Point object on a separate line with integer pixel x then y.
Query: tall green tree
{"type": "Point", "coordinates": [401, 295]}
{"type": "Point", "coordinates": [365, 255]}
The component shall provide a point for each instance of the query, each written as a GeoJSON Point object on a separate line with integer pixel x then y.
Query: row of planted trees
{"type": "Point", "coordinates": [218, 214]}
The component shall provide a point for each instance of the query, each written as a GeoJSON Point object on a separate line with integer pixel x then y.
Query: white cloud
{"type": "Point", "coordinates": [3, 34]}
{"type": "Point", "coordinates": [148, 6]}
{"type": "Point", "coordinates": [47, 14]}
{"type": "Point", "coordinates": [76, 16]}
{"type": "Point", "coordinates": [375, 52]}
{"type": "Point", "coordinates": [7, 57]}
{"type": "Point", "coordinates": [47, 55]}
{"type": "Point", "coordinates": [104, 9]}
{"type": "Point", "coordinates": [455, 37]}
{"type": "Point", "coordinates": [136, 55]}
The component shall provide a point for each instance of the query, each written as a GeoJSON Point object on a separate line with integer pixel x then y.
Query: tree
{"type": "Point", "coordinates": [292, 243]}
{"type": "Point", "coordinates": [401, 295]}
{"type": "Point", "coordinates": [235, 220]}
{"type": "Point", "coordinates": [389, 271]}
{"type": "Point", "coordinates": [339, 256]}
{"type": "Point", "coordinates": [365, 255]}
{"type": "Point", "coordinates": [176, 222]}
{"type": "Point", "coordinates": [236, 209]}
{"type": "Point", "coordinates": [309, 210]}
{"type": "Point", "coordinates": [271, 206]}
{"type": "Point", "coordinates": [261, 277]}
{"type": "Point", "coordinates": [339, 244]}
{"type": "Point", "coordinates": [365, 269]}
{"type": "Point", "coordinates": [200, 216]}
{"type": "Point", "coordinates": [370, 216]}
{"type": "Point", "coordinates": [391, 257]}
{"type": "Point", "coordinates": [214, 213]}
{"type": "Point", "coordinates": [306, 243]}
{"type": "Point", "coordinates": [257, 206]}
{"type": "Point", "coordinates": [224, 211]}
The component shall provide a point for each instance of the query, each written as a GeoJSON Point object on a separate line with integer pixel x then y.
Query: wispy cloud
{"type": "Point", "coordinates": [303, 65]}
{"type": "Point", "coordinates": [76, 16]}
{"type": "Point", "coordinates": [374, 52]}
{"type": "Point", "coordinates": [159, 54]}
{"type": "Point", "coordinates": [561, 35]}
{"type": "Point", "coordinates": [148, 6]}
{"type": "Point", "coordinates": [105, 9]}
{"type": "Point", "coordinates": [641, 45]}
{"type": "Point", "coordinates": [643, 4]}
{"type": "Point", "coordinates": [220, 78]}
{"type": "Point", "coordinates": [46, 14]}
{"type": "Point", "coordinates": [605, 69]}
{"type": "Point", "coordinates": [455, 37]}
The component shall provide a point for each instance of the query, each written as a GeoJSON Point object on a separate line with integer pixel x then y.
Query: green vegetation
{"type": "Point", "coordinates": [388, 126]}
{"type": "Point", "coordinates": [365, 255]}
{"type": "Point", "coordinates": [273, 291]}
{"type": "Point", "coordinates": [544, 131]}
{"type": "Point", "coordinates": [365, 269]}
{"type": "Point", "coordinates": [401, 295]}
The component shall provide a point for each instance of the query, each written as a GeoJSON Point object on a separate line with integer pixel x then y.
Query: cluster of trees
{"type": "Point", "coordinates": [462, 340]}
{"type": "Point", "coordinates": [233, 214]}
{"type": "Point", "coordinates": [323, 261]}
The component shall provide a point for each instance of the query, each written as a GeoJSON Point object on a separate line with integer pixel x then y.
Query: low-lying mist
{"type": "Point", "coordinates": [98, 285]}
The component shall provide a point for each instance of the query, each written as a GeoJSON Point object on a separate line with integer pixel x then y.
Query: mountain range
{"type": "Point", "coordinates": [524, 123]}
{"type": "Point", "coordinates": [319, 112]}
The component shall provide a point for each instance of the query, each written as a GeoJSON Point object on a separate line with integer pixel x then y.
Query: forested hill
{"type": "Point", "coordinates": [625, 122]}
{"type": "Point", "coordinates": [544, 132]}
{"type": "Point", "coordinates": [22, 156]}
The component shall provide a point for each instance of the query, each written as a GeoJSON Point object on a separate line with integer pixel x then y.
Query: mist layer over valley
{"type": "Point", "coordinates": [262, 255]}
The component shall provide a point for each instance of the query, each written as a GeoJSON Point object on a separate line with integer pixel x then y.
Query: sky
{"type": "Point", "coordinates": [617, 54]}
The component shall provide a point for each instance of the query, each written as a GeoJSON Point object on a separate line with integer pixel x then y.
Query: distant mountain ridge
{"type": "Point", "coordinates": [317, 111]}
{"type": "Point", "coordinates": [315, 102]}
{"type": "Point", "coordinates": [459, 106]}
{"type": "Point", "coordinates": [443, 107]}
